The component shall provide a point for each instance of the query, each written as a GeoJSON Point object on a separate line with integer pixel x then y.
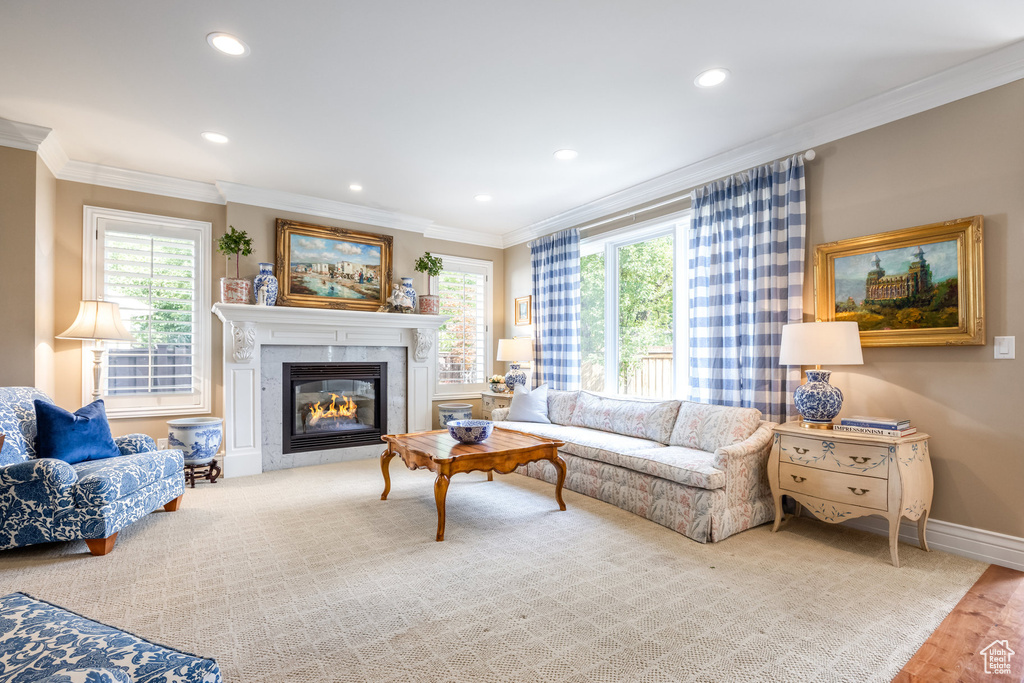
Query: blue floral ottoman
{"type": "Point", "coordinates": [43, 643]}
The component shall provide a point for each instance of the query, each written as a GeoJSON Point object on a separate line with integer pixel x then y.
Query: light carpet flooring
{"type": "Point", "coordinates": [306, 575]}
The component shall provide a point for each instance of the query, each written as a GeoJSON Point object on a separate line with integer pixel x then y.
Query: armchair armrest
{"type": "Point", "coordinates": [745, 465]}
{"type": "Point", "coordinates": [56, 474]}
{"type": "Point", "coordinates": [135, 443]}
{"type": "Point", "coordinates": [499, 414]}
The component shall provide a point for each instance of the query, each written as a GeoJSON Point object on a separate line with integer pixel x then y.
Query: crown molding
{"type": "Point", "coordinates": [52, 154]}
{"type": "Point", "coordinates": [140, 181]}
{"type": "Point", "coordinates": [20, 135]}
{"type": "Point", "coordinates": [970, 78]}
{"type": "Point", "coordinates": [480, 239]}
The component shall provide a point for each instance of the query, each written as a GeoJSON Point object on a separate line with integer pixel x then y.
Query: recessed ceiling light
{"type": "Point", "coordinates": [355, 187]}
{"type": "Point", "coordinates": [228, 44]}
{"type": "Point", "coordinates": [711, 77]}
{"type": "Point", "coordinates": [483, 197]}
{"type": "Point", "coordinates": [210, 136]}
{"type": "Point", "coordinates": [566, 154]}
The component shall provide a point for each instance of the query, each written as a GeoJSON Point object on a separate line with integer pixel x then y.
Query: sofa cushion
{"type": "Point", "coordinates": [633, 417]}
{"type": "Point", "coordinates": [529, 405]}
{"type": "Point", "coordinates": [579, 439]}
{"type": "Point", "coordinates": [561, 405]}
{"type": "Point", "coordinates": [101, 482]}
{"type": "Point", "coordinates": [709, 427]}
{"type": "Point", "coordinates": [73, 437]}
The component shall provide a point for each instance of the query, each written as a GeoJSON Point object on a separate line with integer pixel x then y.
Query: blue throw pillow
{"type": "Point", "coordinates": [73, 437]}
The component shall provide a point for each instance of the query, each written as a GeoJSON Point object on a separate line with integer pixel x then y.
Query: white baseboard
{"type": "Point", "coordinates": [243, 464]}
{"type": "Point", "coordinates": [977, 544]}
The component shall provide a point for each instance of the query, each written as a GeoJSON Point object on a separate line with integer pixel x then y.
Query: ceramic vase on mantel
{"type": "Point", "coordinates": [430, 304]}
{"type": "Point", "coordinates": [266, 285]}
{"type": "Point", "coordinates": [235, 290]}
{"type": "Point", "coordinates": [408, 290]}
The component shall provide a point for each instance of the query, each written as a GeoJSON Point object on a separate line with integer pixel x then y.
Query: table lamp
{"type": "Point", "coordinates": [515, 351]}
{"type": "Point", "coordinates": [97, 321]}
{"type": "Point", "coordinates": [817, 344]}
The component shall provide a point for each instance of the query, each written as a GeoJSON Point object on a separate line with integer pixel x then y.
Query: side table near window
{"type": "Point", "coordinates": [490, 401]}
{"type": "Point", "coordinates": [843, 475]}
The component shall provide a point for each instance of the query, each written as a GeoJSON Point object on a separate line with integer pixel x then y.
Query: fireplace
{"type": "Point", "coordinates": [333, 405]}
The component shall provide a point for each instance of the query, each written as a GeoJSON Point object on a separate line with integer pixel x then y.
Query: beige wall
{"type": "Point", "coordinates": [71, 200]}
{"type": "Point", "coordinates": [17, 263]}
{"type": "Point", "coordinates": [260, 223]}
{"type": "Point", "coordinates": [958, 160]}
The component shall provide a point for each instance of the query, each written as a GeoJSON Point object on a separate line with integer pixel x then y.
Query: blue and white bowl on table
{"type": "Point", "coordinates": [470, 431]}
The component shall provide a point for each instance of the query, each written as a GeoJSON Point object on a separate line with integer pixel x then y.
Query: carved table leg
{"type": "Point", "coordinates": [440, 493]}
{"type": "Point", "coordinates": [778, 510]}
{"type": "Point", "coordinates": [894, 539]}
{"type": "Point", "coordinates": [921, 524]}
{"type": "Point", "coordinates": [490, 476]}
{"type": "Point", "coordinates": [560, 466]}
{"type": "Point", "coordinates": [385, 460]}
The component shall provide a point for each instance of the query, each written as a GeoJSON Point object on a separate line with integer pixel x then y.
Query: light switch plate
{"type": "Point", "coordinates": [1004, 347]}
{"type": "Point", "coordinates": [161, 444]}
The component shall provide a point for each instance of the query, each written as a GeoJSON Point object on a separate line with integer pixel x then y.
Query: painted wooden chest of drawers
{"type": "Point", "coordinates": [489, 400]}
{"type": "Point", "coordinates": [842, 475]}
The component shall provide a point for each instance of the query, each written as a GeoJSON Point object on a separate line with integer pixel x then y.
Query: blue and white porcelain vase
{"type": "Point", "coordinates": [818, 401]}
{"type": "Point", "coordinates": [266, 285]}
{"type": "Point", "coordinates": [514, 376]}
{"type": "Point", "coordinates": [197, 437]}
{"type": "Point", "coordinates": [446, 412]}
{"type": "Point", "coordinates": [408, 290]}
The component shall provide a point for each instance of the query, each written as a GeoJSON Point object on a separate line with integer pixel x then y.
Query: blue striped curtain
{"type": "Point", "coordinates": [746, 271]}
{"type": "Point", "coordinates": [557, 345]}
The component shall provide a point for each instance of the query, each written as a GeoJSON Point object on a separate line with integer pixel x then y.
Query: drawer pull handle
{"type": "Point", "coordinates": [801, 451]}
{"type": "Point", "coordinates": [860, 460]}
{"type": "Point", "coordinates": [856, 491]}
{"type": "Point", "coordinates": [797, 479]}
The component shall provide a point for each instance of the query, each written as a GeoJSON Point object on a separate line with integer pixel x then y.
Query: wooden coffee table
{"type": "Point", "coordinates": [438, 452]}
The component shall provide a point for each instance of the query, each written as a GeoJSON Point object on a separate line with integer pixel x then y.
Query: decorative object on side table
{"type": "Point", "coordinates": [524, 314]}
{"type": "Point", "coordinates": [847, 475]}
{"type": "Point", "coordinates": [822, 343]}
{"type": "Point", "coordinates": [516, 351]}
{"type": "Point", "coordinates": [237, 243]}
{"type": "Point", "coordinates": [446, 412]}
{"type": "Point", "coordinates": [97, 321]}
{"type": "Point", "coordinates": [430, 303]}
{"type": "Point", "coordinates": [266, 285]}
{"type": "Point", "coordinates": [920, 286]}
{"type": "Point", "coordinates": [199, 439]}
{"type": "Point", "coordinates": [470, 431]}
{"type": "Point", "coordinates": [498, 384]}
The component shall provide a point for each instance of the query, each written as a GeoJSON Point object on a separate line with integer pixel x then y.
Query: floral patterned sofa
{"type": "Point", "coordinates": [697, 469]}
{"type": "Point", "coordinates": [44, 500]}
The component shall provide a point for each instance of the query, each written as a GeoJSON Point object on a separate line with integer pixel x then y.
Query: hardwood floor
{"type": "Point", "coordinates": [992, 610]}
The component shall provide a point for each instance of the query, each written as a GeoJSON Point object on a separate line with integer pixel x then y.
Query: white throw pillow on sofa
{"type": "Point", "coordinates": [529, 406]}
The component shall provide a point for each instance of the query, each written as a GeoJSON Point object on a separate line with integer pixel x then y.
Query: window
{"type": "Point", "coordinates": [157, 270]}
{"type": "Point", "coordinates": [633, 311]}
{"type": "Point", "coordinates": [464, 347]}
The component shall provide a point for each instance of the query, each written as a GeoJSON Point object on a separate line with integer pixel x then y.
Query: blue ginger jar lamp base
{"type": "Point", "coordinates": [818, 401]}
{"type": "Point", "coordinates": [515, 376]}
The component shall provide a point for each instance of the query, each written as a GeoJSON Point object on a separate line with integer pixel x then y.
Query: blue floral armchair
{"type": "Point", "coordinates": [44, 500]}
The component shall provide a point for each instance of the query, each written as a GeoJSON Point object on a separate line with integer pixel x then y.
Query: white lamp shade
{"type": "Point", "coordinates": [97, 320]}
{"type": "Point", "coordinates": [826, 343]}
{"type": "Point", "coordinates": [515, 350]}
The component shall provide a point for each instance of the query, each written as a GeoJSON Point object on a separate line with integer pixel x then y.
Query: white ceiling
{"type": "Point", "coordinates": [427, 104]}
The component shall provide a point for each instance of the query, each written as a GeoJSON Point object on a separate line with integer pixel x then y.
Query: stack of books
{"type": "Point", "coordinates": [879, 426]}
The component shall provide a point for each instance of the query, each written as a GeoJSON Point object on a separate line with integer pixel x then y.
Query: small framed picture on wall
{"type": "Point", "coordinates": [523, 316]}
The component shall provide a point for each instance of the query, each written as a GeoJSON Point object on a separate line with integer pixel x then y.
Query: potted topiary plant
{"type": "Point", "coordinates": [235, 290]}
{"type": "Point", "coordinates": [430, 303]}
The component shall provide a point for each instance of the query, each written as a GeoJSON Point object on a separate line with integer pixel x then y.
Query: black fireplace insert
{"type": "Point", "coordinates": [333, 405]}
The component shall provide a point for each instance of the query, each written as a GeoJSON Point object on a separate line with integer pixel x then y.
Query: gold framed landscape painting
{"type": "Point", "coordinates": [920, 286]}
{"type": "Point", "coordinates": [323, 267]}
{"type": "Point", "coordinates": [523, 312]}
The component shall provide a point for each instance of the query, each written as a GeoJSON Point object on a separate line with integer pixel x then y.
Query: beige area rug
{"type": "Point", "coordinates": [306, 575]}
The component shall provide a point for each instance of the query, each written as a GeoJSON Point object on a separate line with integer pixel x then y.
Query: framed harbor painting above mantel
{"type": "Point", "coordinates": [324, 267]}
{"type": "Point", "coordinates": [919, 286]}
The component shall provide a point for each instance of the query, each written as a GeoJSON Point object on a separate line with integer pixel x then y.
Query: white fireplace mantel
{"type": "Point", "coordinates": [247, 328]}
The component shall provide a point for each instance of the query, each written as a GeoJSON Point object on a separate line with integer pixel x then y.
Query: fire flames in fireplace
{"type": "Point", "coordinates": [338, 414]}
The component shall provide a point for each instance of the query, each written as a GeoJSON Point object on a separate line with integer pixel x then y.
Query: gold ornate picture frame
{"type": "Point", "coordinates": [323, 267]}
{"type": "Point", "coordinates": [919, 286]}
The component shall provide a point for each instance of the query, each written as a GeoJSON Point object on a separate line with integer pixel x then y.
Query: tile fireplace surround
{"type": "Point", "coordinates": [248, 329]}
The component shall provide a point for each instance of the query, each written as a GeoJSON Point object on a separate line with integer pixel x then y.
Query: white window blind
{"type": "Point", "coordinates": [464, 341]}
{"type": "Point", "coordinates": [154, 268]}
